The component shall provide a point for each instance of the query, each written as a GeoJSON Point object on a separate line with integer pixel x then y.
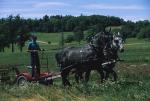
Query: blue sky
{"type": "Point", "coordinates": [127, 9]}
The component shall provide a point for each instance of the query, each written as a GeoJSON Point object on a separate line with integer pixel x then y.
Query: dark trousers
{"type": "Point", "coordinates": [35, 62]}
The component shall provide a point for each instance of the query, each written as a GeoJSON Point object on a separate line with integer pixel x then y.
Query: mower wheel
{"type": "Point", "coordinates": [21, 81]}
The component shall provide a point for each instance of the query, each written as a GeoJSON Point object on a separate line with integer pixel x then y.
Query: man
{"type": "Point", "coordinates": [33, 48]}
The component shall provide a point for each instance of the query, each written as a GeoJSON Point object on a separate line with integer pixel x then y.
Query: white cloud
{"type": "Point", "coordinates": [113, 7]}
{"type": "Point", "coordinates": [14, 10]}
{"type": "Point", "coordinates": [134, 18]}
{"type": "Point", "coordinates": [50, 4]}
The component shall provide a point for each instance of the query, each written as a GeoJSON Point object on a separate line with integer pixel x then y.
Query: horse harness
{"type": "Point", "coordinates": [87, 60]}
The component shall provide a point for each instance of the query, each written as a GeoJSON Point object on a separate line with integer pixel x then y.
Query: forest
{"type": "Point", "coordinates": [14, 26]}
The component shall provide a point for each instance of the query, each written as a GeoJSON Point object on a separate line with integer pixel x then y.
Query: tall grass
{"type": "Point", "coordinates": [132, 85]}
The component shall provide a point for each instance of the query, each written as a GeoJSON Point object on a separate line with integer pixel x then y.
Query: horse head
{"type": "Point", "coordinates": [118, 42]}
{"type": "Point", "coordinates": [102, 38]}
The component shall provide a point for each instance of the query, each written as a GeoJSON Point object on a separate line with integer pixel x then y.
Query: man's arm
{"type": "Point", "coordinates": [38, 47]}
{"type": "Point", "coordinates": [29, 46]}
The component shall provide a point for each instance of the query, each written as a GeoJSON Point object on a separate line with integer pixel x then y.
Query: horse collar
{"type": "Point", "coordinates": [95, 49]}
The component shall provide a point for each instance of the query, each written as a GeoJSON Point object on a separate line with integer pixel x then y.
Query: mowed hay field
{"type": "Point", "coordinates": [133, 76]}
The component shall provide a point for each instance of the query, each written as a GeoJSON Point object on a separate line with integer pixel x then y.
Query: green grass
{"type": "Point", "coordinates": [133, 82]}
{"type": "Point", "coordinates": [133, 48]}
{"type": "Point", "coordinates": [52, 37]}
{"type": "Point", "coordinates": [114, 29]}
{"type": "Point", "coordinates": [136, 51]}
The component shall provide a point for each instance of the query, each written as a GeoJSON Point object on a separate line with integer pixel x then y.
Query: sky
{"type": "Point", "coordinates": [133, 10]}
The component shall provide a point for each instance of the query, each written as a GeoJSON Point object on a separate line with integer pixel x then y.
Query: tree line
{"type": "Point", "coordinates": [139, 29]}
{"type": "Point", "coordinates": [16, 30]}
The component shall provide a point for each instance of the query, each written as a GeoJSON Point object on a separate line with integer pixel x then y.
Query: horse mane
{"type": "Point", "coordinates": [98, 39]}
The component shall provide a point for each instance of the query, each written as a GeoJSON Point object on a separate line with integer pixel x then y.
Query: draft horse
{"type": "Point", "coordinates": [110, 59]}
{"type": "Point", "coordinates": [111, 56]}
{"type": "Point", "coordinates": [83, 59]}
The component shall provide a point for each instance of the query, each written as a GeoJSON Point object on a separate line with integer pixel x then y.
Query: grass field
{"type": "Point", "coordinates": [133, 83]}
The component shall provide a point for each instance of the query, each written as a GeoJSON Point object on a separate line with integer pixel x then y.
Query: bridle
{"type": "Point", "coordinates": [99, 48]}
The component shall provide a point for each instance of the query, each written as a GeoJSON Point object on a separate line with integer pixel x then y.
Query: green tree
{"type": "Point", "coordinates": [144, 32]}
{"type": "Point", "coordinates": [78, 34]}
{"type": "Point", "coordinates": [69, 38]}
{"type": "Point", "coordinates": [89, 34]}
{"type": "Point", "coordinates": [127, 29]}
{"type": "Point", "coordinates": [4, 41]}
{"type": "Point", "coordinates": [23, 35]}
{"type": "Point", "coordinates": [70, 24]}
{"type": "Point", "coordinates": [13, 25]}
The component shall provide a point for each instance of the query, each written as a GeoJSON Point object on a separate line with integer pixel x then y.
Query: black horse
{"type": "Point", "coordinates": [110, 60]}
{"type": "Point", "coordinates": [84, 59]}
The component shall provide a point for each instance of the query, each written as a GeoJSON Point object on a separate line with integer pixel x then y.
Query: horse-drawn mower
{"type": "Point", "coordinates": [20, 78]}
{"type": "Point", "coordinates": [45, 78]}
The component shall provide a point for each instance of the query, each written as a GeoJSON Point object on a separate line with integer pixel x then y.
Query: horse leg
{"type": "Point", "coordinates": [77, 77]}
{"type": "Point", "coordinates": [87, 75]}
{"type": "Point", "coordinates": [107, 75]}
{"type": "Point", "coordinates": [64, 75]}
{"type": "Point", "coordinates": [115, 75]}
{"type": "Point", "coordinates": [107, 72]}
{"type": "Point", "coordinates": [81, 75]}
{"type": "Point", "coordinates": [110, 70]}
{"type": "Point", "coordinates": [100, 71]}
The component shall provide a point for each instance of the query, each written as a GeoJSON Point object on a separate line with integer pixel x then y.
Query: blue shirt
{"type": "Point", "coordinates": [33, 46]}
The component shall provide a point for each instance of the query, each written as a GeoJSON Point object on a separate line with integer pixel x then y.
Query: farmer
{"type": "Point", "coordinates": [33, 48]}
